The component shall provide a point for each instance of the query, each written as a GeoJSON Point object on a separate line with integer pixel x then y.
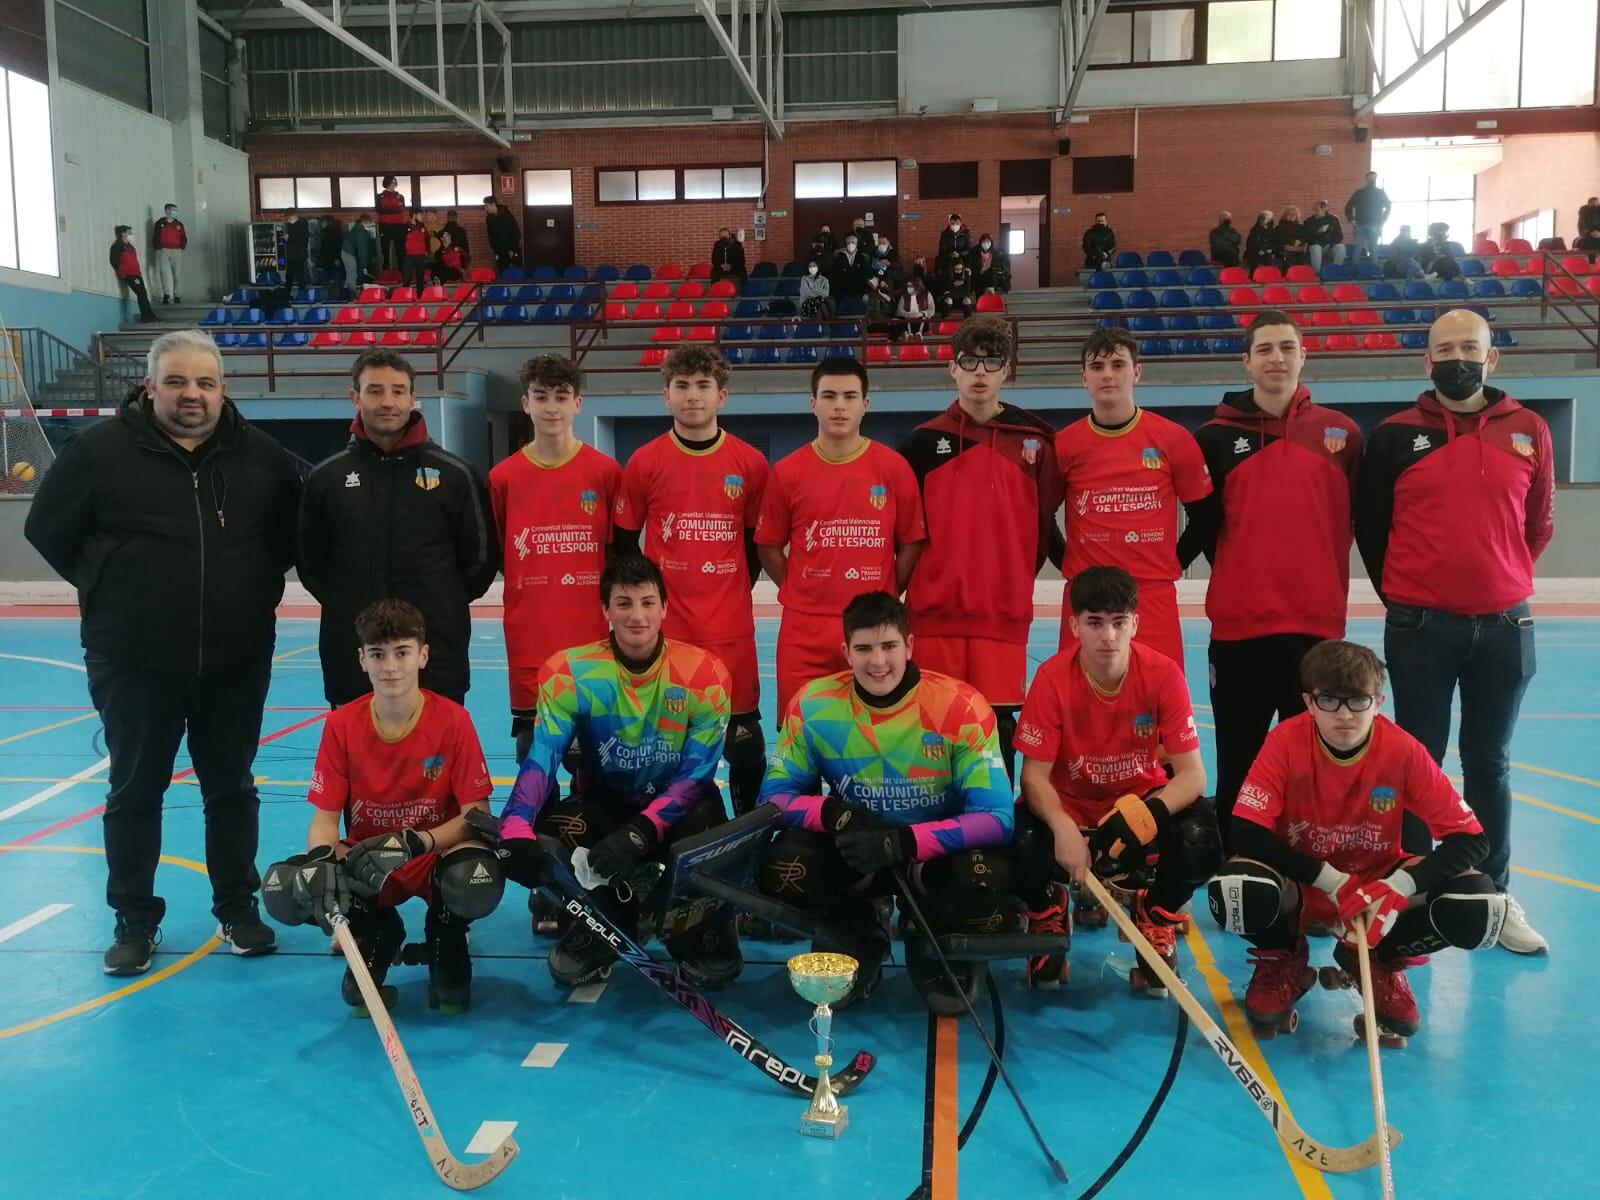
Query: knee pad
{"type": "Point", "coordinates": [973, 891]}
{"type": "Point", "coordinates": [1195, 843]}
{"type": "Point", "coordinates": [802, 868]}
{"type": "Point", "coordinates": [1467, 912]}
{"type": "Point", "coordinates": [745, 748]}
{"type": "Point", "coordinates": [469, 881]}
{"type": "Point", "coordinates": [1245, 897]}
{"type": "Point", "coordinates": [279, 896]}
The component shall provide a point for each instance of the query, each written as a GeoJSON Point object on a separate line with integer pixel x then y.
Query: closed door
{"type": "Point", "coordinates": [547, 236]}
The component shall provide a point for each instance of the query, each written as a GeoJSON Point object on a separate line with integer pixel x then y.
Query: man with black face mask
{"type": "Point", "coordinates": [1454, 502]}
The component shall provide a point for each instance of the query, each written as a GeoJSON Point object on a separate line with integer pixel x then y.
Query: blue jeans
{"type": "Point", "coordinates": [1316, 254]}
{"type": "Point", "coordinates": [1367, 240]}
{"type": "Point", "coordinates": [1491, 658]}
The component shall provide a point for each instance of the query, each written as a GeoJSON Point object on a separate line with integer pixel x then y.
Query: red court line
{"type": "Point", "coordinates": [90, 813]}
{"type": "Point", "coordinates": [90, 708]}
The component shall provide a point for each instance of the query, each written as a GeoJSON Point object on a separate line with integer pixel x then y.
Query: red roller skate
{"type": "Point", "coordinates": [1087, 913]}
{"type": "Point", "coordinates": [1279, 979]}
{"type": "Point", "coordinates": [1049, 971]}
{"type": "Point", "coordinates": [1392, 998]}
{"type": "Point", "coordinates": [1160, 928]}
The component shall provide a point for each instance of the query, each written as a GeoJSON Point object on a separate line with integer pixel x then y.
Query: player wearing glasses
{"type": "Point", "coordinates": [1315, 840]}
{"type": "Point", "coordinates": [990, 490]}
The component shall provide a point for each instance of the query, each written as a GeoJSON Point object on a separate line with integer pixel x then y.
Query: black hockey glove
{"type": "Point", "coordinates": [615, 856]}
{"type": "Point", "coordinates": [372, 859]}
{"type": "Point", "coordinates": [867, 851]}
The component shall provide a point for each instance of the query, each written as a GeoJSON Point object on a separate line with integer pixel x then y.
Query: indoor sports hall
{"type": "Point", "coordinates": [608, 181]}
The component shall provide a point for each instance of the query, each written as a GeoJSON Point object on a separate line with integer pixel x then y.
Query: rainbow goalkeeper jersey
{"type": "Point", "coordinates": [930, 761]}
{"type": "Point", "coordinates": [651, 739]}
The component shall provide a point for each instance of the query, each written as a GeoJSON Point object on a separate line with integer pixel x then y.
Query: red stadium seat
{"type": "Point", "coordinates": [1276, 294]}
{"type": "Point", "coordinates": [1484, 247]}
{"type": "Point", "coordinates": [1300, 273]}
{"type": "Point", "coordinates": [1562, 286]}
{"type": "Point", "coordinates": [1311, 342]}
{"type": "Point", "coordinates": [349, 315]}
{"type": "Point", "coordinates": [647, 310]}
{"type": "Point", "coordinates": [1312, 293]}
{"type": "Point", "coordinates": [1366, 316]}
{"type": "Point", "coordinates": [383, 315]}
{"type": "Point", "coordinates": [481, 275]}
{"type": "Point", "coordinates": [615, 310]}
{"type": "Point", "coordinates": [667, 333]}
{"type": "Point", "coordinates": [700, 271]}
{"type": "Point", "coordinates": [360, 337]}
{"type": "Point", "coordinates": [432, 294]}
{"type": "Point", "coordinates": [702, 333]}
{"type": "Point", "coordinates": [1592, 285]}
{"type": "Point", "coordinates": [714, 310]}
{"type": "Point", "coordinates": [1266, 274]}
{"type": "Point", "coordinates": [395, 337]}
{"type": "Point", "coordinates": [1325, 317]}
{"type": "Point", "coordinates": [653, 357]}
{"type": "Point", "coordinates": [1577, 264]}
{"type": "Point", "coordinates": [447, 312]}
{"type": "Point", "coordinates": [1231, 276]}
{"type": "Point", "coordinates": [1343, 343]}
{"type": "Point", "coordinates": [914, 352]}
{"type": "Point", "coordinates": [723, 289]}
{"type": "Point", "coordinates": [1380, 341]}
{"type": "Point", "coordinates": [1507, 267]}
{"type": "Point", "coordinates": [425, 337]}
{"type": "Point", "coordinates": [373, 295]}
{"type": "Point", "coordinates": [464, 291]}
{"type": "Point", "coordinates": [658, 291]}
{"type": "Point", "coordinates": [390, 278]}
{"type": "Point", "coordinates": [1519, 246]}
{"type": "Point", "coordinates": [949, 327]}
{"type": "Point", "coordinates": [691, 289]}
{"type": "Point", "coordinates": [680, 310]}
{"type": "Point", "coordinates": [878, 352]}
{"type": "Point", "coordinates": [991, 302]}
{"type": "Point", "coordinates": [944, 352]}
{"type": "Point", "coordinates": [1349, 293]}
{"type": "Point", "coordinates": [625, 291]}
{"type": "Point", "coordinates": [326, 337]}
{"type": "Point", "coordinates": [668, 271]}
{"type": "Point", "coordinates": [415, 315]}
{"type": "Point", "coordinates": [1243, 295]}
{"type": "Point", "coordinates": [403, 295]}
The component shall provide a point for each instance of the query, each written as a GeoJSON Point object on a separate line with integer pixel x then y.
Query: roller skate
{"type": "Point", "coordinates": [1392, 998]}
{"type": "Point", "coordinates": [1279, 979]}
{"type": "Point", "coordinates": [449, 964]}
{"type": "Point", "coordinates": [380, 933]}
{"type": "Point", "coordinates": [1160, 928]}
{"type": "Point", "coordinates": [1050, 971]}
{"type": "Point", "coordinates": [1088, 913]}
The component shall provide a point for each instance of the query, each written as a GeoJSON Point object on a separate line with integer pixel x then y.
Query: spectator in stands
{"type": "Point", "coordinates": [450, 263]}
{"type": "Point", "coordinates": [359, 251]}
{"type": "Point", "coordinates": [1324, 237]}
{"type": "Point", "coordinates": [1289, 239]}
{"type": "Point", "coordinates": [416, 247]}
{"type": "Point", "coordinates": [727, 258]}
{"type": "Point", "coordinates": [1589, 228]}
{"type": "Point", "coordinates": [1367, 209]}
{"type": "Point", "coordinates": [458, 235]}
{"type": "Point", "coordinates": [1260, 247]}
{"type": "Point", "coordinates": [331, 247]}
{"type": "Point", "coordinates": [505, 239]}
{"type": "Point", "coordinates": [171, 240]}
{"type": "Point", "coordinates": [125, 262]}
{"type": "Point", "coordinates": [823, 244]}
{"type": "Point", "coordinates": [991, 266]}
{"type": "Point", "coordinates": [958, 293]}
{"type": "Point", "coordinates": [1439, 253]}
{"type": "Point", "coordinates": [815, 304]}
{"type": "Point", "coordinates": [954, 238]}
{"type": "Point", "coordinates": [883, 252]}
{"type": "Point", "coordinates": [1225, 242]}
{"type": "Point", "coordinates": [880, 305]}
{"type": "Point", "coordinates": [296, 247]}
{"type": "Point", "coordinates": [1404, 253]}
{"type": "Point", "coordinates": [850, 268]}
{"type": "Point", "coordinates": [392, 225]}
{"type": "Point", "coordinates": [911, 311]}
{"type": "Point", "coordinates": [313, 242]}
{"type": "Point", "coordinates": [864, 236]}
{"type": "Point", "coordinates": [1099, 243]}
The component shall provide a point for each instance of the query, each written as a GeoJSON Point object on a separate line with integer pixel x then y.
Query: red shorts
{"type": "Point", "coordinates": [739, 656]}
{"type": "Point", "coordinates": [999, 670]}
{"type": "Point", "coordinates": [1159, 627]}
{"type": "Point", "coordinates": [411, 880]}
{"type": "Point", "coordinates": [809, 647]}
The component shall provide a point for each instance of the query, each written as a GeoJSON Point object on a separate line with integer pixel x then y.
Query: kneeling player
{"type": "Point", "coordinates": [648, 715]}
{"type": "Point", "coordinates": [1090, 733]}
{"type": "Point", "coordinates": [912, 766]}
{"type": "Point", "coordinates": [1315, 840]}
{"type": "Point", "coordinates": [400, 766]}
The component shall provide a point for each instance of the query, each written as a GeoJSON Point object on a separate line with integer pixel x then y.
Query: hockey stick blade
{"type": "Point", "coordinates": [735, 1036]}
{"type": "Point", "coordinates": [1338, 1160]}
{"type": "Point", "coordinates": [452, 1172]}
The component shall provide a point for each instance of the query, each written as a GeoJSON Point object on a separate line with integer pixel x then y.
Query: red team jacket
{"type": "Point", "coordinates": [989, 497]}
{"type": "Point", "coordinates": [1452, 510]}
{"type": "Point", "coordinates": [1280, 550]}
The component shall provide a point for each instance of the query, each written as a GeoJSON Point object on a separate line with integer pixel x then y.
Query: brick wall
{"type": "Point", "coordinates": [1555, 170]}
{"type": "Point", "coordinates": [1192, 162]}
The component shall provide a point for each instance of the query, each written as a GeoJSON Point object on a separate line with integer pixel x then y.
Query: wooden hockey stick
{"type": "Point", "coordinates": [450, 1169]}
{"type": "Point", "coordinates": [1370, 1032]}
{"type": "Point", "coordinates": [1335, 1159]}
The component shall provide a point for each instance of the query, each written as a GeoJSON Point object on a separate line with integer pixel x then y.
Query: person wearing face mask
{"type": "Point", "coordinates": [358, 251]}
{"type": "Point", "coordinates": [1225, 242]}
{"type": "Point", "coordinates": [1260, 245]}
{"type": "Point", "coordinates": [727, 258]}
{"type": "Point", "coordinates": [824, 245]}
{"type": "Point", "coordinates": [912, 309]}
{"type": "Point", "coordinates": [850, 268]}
{"type": "Point", "coordinates": [955, 238]}
{"type": "Point", "coordinates": [880, 300]}
{"type": "Point", "coordinates": [815, 304]}
{"type": "Point", "coordinates": [991, 266]}
{"type": "Point", "coordinates": [957, 294]}
{"type": "Point", "coordinates": [171, 240]}
{"type": "Point", "coordinates": [1455, 501]}
{"type": "Point", "coordinates": [884, 253]}
{"type": "Point", "coordinates": [1099, 243]}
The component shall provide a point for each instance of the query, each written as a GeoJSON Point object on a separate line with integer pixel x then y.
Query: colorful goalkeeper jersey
{"type": "Point", "coordinates": [651, 739]}
{"type": "Point", "coordinates": [931, 761]}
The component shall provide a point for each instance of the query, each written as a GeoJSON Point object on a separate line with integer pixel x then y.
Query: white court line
{"type": "Point", "coordinates": [38, 918]}
{"type": "Point", "coordinates": [490, 1134]}
{"type": "Point", "coordinates": [587, 994]}
{"type": "Point", "coordinates": [55, 789]}
{"type": "Point", "coordinates": [543, 1054]}
{"type": "Point", "coordinates": [48, 662]}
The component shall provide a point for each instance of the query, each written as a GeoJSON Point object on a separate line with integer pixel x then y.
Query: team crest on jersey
{"type": "Point", "coordinates": [1144, 725]}
{"type": "Point", "coordinates": [1522, 444]}
{"type": "Point", "coordinates": [1030, 450]}
{"type": "Point", "coordinates": [427, 478]}
{"type": "Point", "coordinates": [878, 495]}
{"type": "Point", "coordinates": [733, 485]}
{"type": "Point", "coordinates": [588, 501]}
{"type": "Point", "coordinates": [433, 766]}
{"type": "Point", "coordinates": [1151, 458]}
{"type": "Point", "coordinates": [1382, 800]}
{"type": "Point", "coordinates": [1333, 439]}
{"type": "Point", "coordinates": [675, 700]}
{"type": "Point", "coordinates": [932, 746]}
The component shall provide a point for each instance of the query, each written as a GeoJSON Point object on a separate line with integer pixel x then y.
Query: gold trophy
{"type": "Point", "coordinates": [822, 979]}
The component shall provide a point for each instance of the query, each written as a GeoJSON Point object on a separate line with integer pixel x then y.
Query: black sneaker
{"type": "Point", "coordinates": [248, 935]}
{"type": "Point", "coordinates": [131, 948]}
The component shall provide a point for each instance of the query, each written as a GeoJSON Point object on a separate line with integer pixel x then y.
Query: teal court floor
{"type": "Point", "coordinates": [222, 1077]}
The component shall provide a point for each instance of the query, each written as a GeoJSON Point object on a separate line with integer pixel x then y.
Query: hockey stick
{"type": "Point", "coordinates": [994, 1057]}
{"type": "Point", "coordinates": [1336, 1159]}
{"type": "Point", "coordinates": [1370, 1032]}
{"type": "Point", "coordinates": [743, 1043]}
{"type": "Point", "coordinates": [451, 1170]}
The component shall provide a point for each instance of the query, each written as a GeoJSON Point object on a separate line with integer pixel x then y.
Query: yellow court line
{"type": "Point", "coordinates": [1538, 803]}
{"type": "Point", "coordinates": [28, 733]}
{"type": "Point", "coordinates": [291, 653]}
{"type": "Point", "coordinates": [1312, 1184]}
{"type": "Point", "coordinates": [1547, 876]}
{"type": "Point", "coordinates": [167, 972]}
{"type": "Point", "coordinates": [1554, 774]}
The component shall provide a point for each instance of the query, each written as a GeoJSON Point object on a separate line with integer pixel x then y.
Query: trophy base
{"type": "Point", "coordinates": [825, 1127]}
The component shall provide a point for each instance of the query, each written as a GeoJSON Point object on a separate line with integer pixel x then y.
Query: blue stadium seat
{"type": "Point", "coordinates": [809, 332]}
{"type": "Point", "coordinates": [764, 270]}
{"type": "Point", "coordinates": [514, 314]}
{"type": "Point", "coordinates": [738, 333]}
{"type": "Point", "coordinates": [734, 355]}
{"type": "Point", "coordinates": [487, 313]}
{"type": "Point", "coordinates": [316, 316]}
{"type": "Point", "coordinates": [1218, 321]}
{"type": "Point", "coordinates": [593, 293]}
{"type": "Point", "coordinates": [244, 295]}
{"type": "Point", "coordinates": [1166, 278]}
{"type": "Point", "coordinates": [852, 306]}
{"type": "Point", "coordinates": [575, 274]}
{"type": "Point", "coordinates": [1227, 345]}
{"type": "Point", "coordinates": [225, 341]}
{"type": "Point", "coordinates": [1105, 301]}
{"type": "Point", "coordinates": [1199, 277]}
{"type": "Point", "coordinates": [1192, 258]}
{"type": "Point", "coordinates": [1367, 270]}
{"type": "Point", "coordinates": [1337, 273]}
{"type": "Point", "coordinates": [781, 307]}
{"type": "Point", "coordinates": [1154, 347]}
{"type": "Point", "coordinates": [1488, 289]}
{"type": "Point", "coordinates": [766, 354]}
{"type": "Point", "coordinates": [801, 354]}
{"type": "Point", "coordinates": [1502, 337]}
{"type": "Point", "coordinates": [1193, 346]}
{"type": "Point", "coordinates": [638, 273]}
{"type": "Point", "coordinates": [1418, 290]}
{"type": "Point", "coordinates": [607, 274]}
{"type": "Point", "coordinates": [760, 287]}
{"type": "Point", "coordinates": [249, 316]}
{"type": "Point", "coordinates": [562, 293]}
{"type": "Point", "coordinates": [1471, 268]}
{"type": "Point", "coordinates": [290, 338]}
{"type": "Point", "coordinates": [1101, 279]}
{"type": "Point", "coordinates": [1454, 289]}
{"type": "Point", "coordinates": [530, 293]}
{"type": "Point", "coordinates": [513, 275]}
{"type": "Point", "coordinates": [1174, 298]}
{"type": "Point", "coordinates": [1140, 298]}
{"type": "Point", "coordinates": [789, 288]}
{"type": "Point", "coordinates": [1127, 259]}
{"type": "Point", "coordinates": [1399, 316]}
{"type": "Point", "coordinates": [254, 341]}
{"type": "Point", "coordinates": [1414, 339]}
{"type": "Point", "coordinates": [1527, 287]}
{"type": "Point", "coordinates": [217, 316]}
{"type": "Point", "coordinates": [1160, 258]}
{"type": "Point", "coordinates": [547, 314]}
{"type": "Point", "coordinates": [793, 270]}
{"type": "Point", "coordinates": [1112, 323]}
{"type": "Point", "coordinates": [580, 312]}
{"type": "Point", "coordinates": [849, 331]}
{"type": "Point", "coordinates": [268, 279]}
{"type": "Point", "coordinates": [307, 295]}
{"type": "Point", "coordinates": [773, 333]}
{"type": "Point", "coordinates": [749, 308]}
{"type": "Point", "coordinates": [1209, 297]}
{"type": "Point", "coordinates": [1383, 291]}
{"type": "Point", "coordinates": [1145, 323]}
{"type": "Point", "coordinates": [498, 293]}
{"type": "Point", "coordinates": [1183, 321]}
{"type": "Point", "coordinates": [1133, 279]}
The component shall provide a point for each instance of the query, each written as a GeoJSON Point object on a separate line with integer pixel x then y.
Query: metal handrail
{"type": "Point", "coordinates": [45, 358]}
